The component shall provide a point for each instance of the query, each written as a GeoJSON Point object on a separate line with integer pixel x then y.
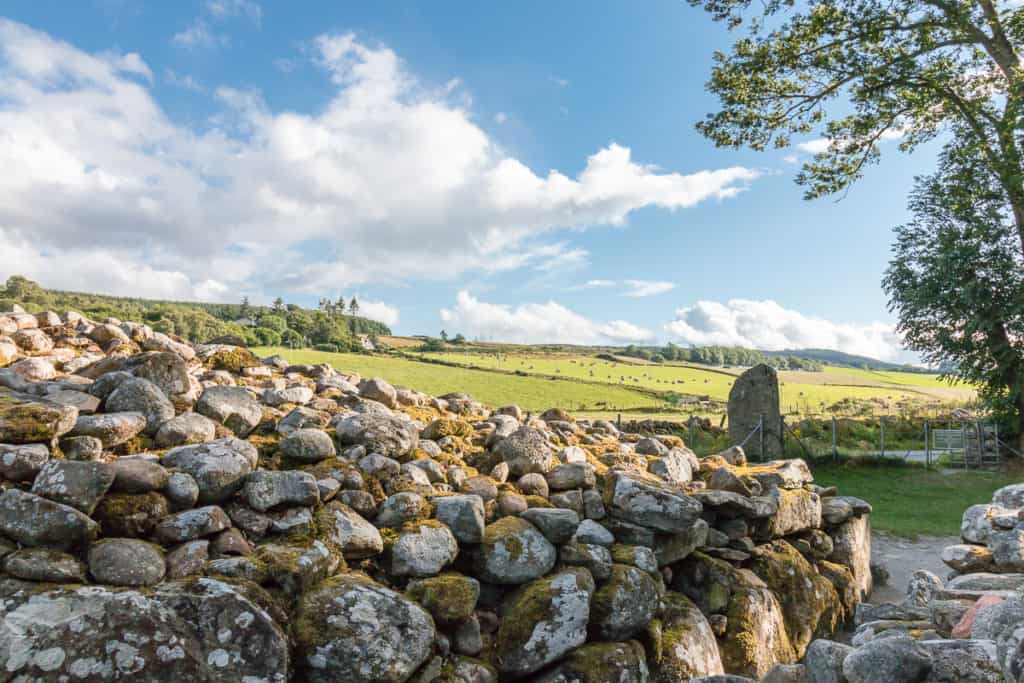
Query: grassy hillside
{"type": "Point", "coordinates": [802, 392]}
{"type": "Point", "coordinates": [531, 393]}
{"type": "Point", "coordinates": [602, 387]}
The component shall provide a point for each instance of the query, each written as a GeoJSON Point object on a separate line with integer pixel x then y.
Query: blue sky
{"type": "Point", "coordinates": [401, 152]}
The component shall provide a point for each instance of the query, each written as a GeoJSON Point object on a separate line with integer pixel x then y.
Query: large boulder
{"type": "Point", "coordinates": [112, 429]}
{"type": "Point", "coordinates": [22, 462]}
{"type": "Point", "coordinates": [187, 428]}
{"type": "Point", "coordinates": [601, 663]}
{"type": "Point", "coordinates": [525, 450]}
{"type": "Point", "coordinates": [649, 503]}
{"type": "Point", "coordinates": [755, 637]}
{"type": "Point", "coordinates": [352, 630]}
{"type": "Point", "coordinates": [233, 407]}
{"type": "Point", "coordinates": [624, 604]}
{"type": "Point", "coordinates": [29, 419]}
{"type": "Point", "coordinates": [754, 400]}
{"type": "Point", "coordinates": [811, 607]}
{"type": "Point", "coordinates": [126, 562]}
{"type": "Point", "coordinates": [514, 551]}
{"type": "Point", "coordinates": [199, 630]}
{"type": "Point", "coordinates": [78, 484]}
{"type": "Point", "coordinates": [685, 646]}
{"type": "Point", "coordinates": [894, 659]}
{"type": "Point", "coordinates": [852, 549]}
{"type": "Point", "coordinates": [543, 620]}
{"type": "Point", "coordinates": [142, 396]}
{"type": "Point", "coordinates": [166, 369]}
{"type": "Point", "coordinates": [348, 531]}
{"type": "Point", "coordinates": [382, 433]}
{"type": "Point", "coordinates": [35, 521]}
{"type": "Point", "coordinates": [219, 467]}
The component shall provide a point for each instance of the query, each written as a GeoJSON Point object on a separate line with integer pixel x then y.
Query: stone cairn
{"type": "Point", "coordinates": [194, 513]}
{"type": "Point", "coordinates": [968, 628]}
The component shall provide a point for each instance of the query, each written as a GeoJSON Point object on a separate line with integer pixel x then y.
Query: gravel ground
{"type": "Point", "coordinates": [901, 556]}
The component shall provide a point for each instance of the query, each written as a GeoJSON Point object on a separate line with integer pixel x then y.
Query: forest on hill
{"type": "Point", "coordinates": [281, 324]}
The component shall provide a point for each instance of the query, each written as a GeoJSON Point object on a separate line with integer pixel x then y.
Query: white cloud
{"type": "Point", "coordinates": [819, 145]}
{"type": "Point", "coordinates": [549, 322]}
{"type": "Point", "coordinates": [390, 182]}
{"type": "Point", "coordinates": [185, 82]}
{"type": "Point", "coordinates": [600, 283]}
{"type": "Point", "coordinates": [791, 158]}
{"type": "Point", "coordinates": [641, 288]}
{"type": "Point", "coordinates": [378, 310]}
{"type": "Point", "coordinates": [767, 325]}
{"type": "Point", "coordinates": [500, 118]}
{"type": "Point", "coordinates": [560, 82]}
{"type": "Point", "coordinates": [222, 9]}
{"type": "Point", "coordinates": [196, 35]}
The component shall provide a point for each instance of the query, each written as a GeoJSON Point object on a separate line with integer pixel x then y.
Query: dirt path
{"type": "Point", "coordinates": [902, 556]}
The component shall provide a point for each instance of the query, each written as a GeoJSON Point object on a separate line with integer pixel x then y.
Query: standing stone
{"type": "Point", "coordinates": [754, 394]}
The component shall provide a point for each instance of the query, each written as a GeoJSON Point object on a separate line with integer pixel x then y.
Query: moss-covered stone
{"type": "Point", "coordinates": [449, 597]}
{"type": "Point", "coordinates": [810, 605]}
{"type": "Point", "coordinates": [542, 621]}
{"type": "Point", "coordinates": [602, 663]}
{"type": "Point", "coordinates": [438, 429]}
{"type": "Point", "coordinates": [681, 642]}
{"type": "Point", "coordinates": [130, 515]}
{"type": "Point", "coordinates": [28, 419]}
{"type": "Point", "coordinates": [232, 359]}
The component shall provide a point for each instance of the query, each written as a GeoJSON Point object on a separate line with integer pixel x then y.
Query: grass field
{"type": "Point", "coordinates": [495, 389]}
{"type": "Point", "coordinates": [593, 386]}
{"type": "Point", "coordinates": [801, 392]}
{"type": "Point", "coordinates": [911, 501]}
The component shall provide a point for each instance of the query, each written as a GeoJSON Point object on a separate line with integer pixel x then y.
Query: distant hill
{"type": "Point", "coordinates": [848, 360]}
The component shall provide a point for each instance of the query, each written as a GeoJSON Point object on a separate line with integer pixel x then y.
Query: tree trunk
{"type": "Point", "coordinates": [1020, 423]}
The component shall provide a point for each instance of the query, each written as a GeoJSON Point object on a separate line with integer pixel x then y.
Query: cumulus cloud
{"type": "Point", "coordinates": [378, 310]}
{"type": "Point", "coordinates": [767, 325]}
{"type": "Point", "coordinates": [390, 182]}
{"type": "Point", "coordinates": [549, 322]}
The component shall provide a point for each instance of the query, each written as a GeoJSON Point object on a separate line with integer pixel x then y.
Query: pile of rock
{"type": "Point", "coordinates": [170, 512]}
{"type": "Point", "coordinates": [969, 627]}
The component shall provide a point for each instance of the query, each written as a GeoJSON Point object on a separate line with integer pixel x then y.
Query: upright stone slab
{"type": "Point", "coordinates": [754, 394]}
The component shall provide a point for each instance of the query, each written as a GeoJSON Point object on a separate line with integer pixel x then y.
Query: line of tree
{"type": "Point", "coordinates": [280, 324]}
{"type": "Point", "coordinates": [719, 355]}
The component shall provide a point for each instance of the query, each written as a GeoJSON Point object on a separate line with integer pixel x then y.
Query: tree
{"type": "Point", "coordinates": [339, 305]}
{"type": "Point", "coordinates": [444, 336]}
{"type": "Point", "coordinates": [278, 305]}
{"type": "Point", "coordinates": [911, 69]}
{"type": "Point", "coordinates": [459, 339]}
{"type": "Point", "coordinates": [353, 307]}
{"type": "Point", "coordinates": [274, 322]}
{"type": "Point", "coordinates": [956, 280]}
{"type": "Point", "coordinates": [245, 310]}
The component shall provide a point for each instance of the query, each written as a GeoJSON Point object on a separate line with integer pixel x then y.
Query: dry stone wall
{"type": "Point", "coordinates": [966, 627]}
{"type": "Point", "coordinates": [195, 513]}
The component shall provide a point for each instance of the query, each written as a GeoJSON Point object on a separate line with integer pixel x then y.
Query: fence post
{"type": "Point", "coordinates": [618, 422]}
{"type": "Point", "coordinates": [782, 435]}
{"type": "Point", "coordinates": [835, 450]}
{"type": "Point", "coordinates": [760, 437]}
{"type": "Point", "coordinates": [881, 423]}
{"type": "Point", "coordinates": [927, 444]}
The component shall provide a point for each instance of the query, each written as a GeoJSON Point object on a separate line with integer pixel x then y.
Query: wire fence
{"type": "Point", "coordinates": [944, 443]}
